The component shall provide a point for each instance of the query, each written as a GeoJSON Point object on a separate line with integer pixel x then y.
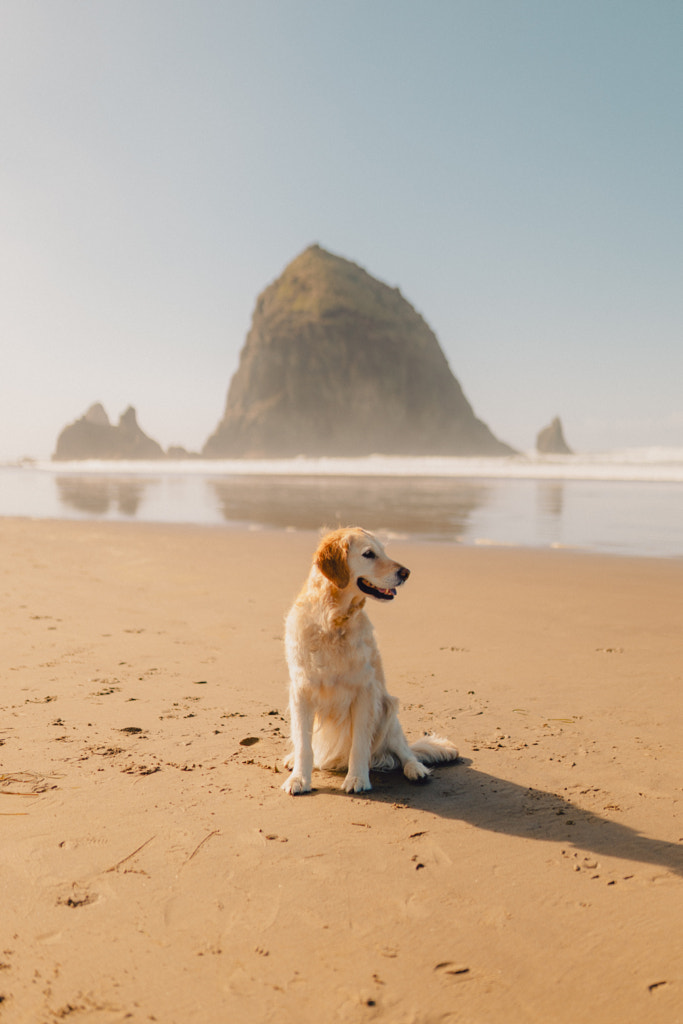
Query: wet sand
{"type": "Point", "coordinates": [153, 870]}
{"type": "Point", "coordinates": [616, 517]}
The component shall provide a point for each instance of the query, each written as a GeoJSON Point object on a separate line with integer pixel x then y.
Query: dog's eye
{"type": "Point", "coordinates": [369, 554]}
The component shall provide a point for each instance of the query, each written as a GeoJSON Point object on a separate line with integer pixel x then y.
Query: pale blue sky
{"type": "Point", "coordinates": [514, 166]}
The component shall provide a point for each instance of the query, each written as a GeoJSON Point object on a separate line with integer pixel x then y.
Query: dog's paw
{"type": "Point", "coordinates": [356, 784]}
{"type": "Point", "coordinates": [289, 761]}
{"type": "Point", "coordinates": [296, 784]}
{"type": "Point", "coordinates": [413, 770]}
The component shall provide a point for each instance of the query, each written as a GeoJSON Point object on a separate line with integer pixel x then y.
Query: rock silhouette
{"type": "Point", "coordinates": [338, 363]}
{"type": "Point", "coordinates": [550, 440]}
{"type": "Point", "coordinates": [94, 437]}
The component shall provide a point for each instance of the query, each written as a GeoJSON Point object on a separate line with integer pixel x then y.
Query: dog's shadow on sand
{"type": "Point", "coordinates": [460, 792]}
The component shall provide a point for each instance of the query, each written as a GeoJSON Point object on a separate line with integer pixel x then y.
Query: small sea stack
{"type": "Point", "coordinates": [550, 440]}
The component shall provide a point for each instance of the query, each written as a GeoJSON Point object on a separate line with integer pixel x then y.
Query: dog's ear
{"type": "Point", "coordinates": [331, 559]}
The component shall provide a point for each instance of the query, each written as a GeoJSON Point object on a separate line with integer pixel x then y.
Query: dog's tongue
{"type": "Point", "coordinates": [373, 589]}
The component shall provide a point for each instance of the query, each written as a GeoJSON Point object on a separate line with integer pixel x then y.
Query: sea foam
{"type": "Point", "coordinates": [657, 465]}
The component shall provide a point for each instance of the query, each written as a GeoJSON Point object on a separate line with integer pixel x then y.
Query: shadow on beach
{"type": "Point", "coordinates": [460, 792]}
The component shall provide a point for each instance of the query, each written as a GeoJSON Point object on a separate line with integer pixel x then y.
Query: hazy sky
{"type": "Point", "coordinates": [514, 166]}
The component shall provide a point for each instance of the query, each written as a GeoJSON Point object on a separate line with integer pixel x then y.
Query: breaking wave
{"type": "Point", "coordinates": [657, 465]}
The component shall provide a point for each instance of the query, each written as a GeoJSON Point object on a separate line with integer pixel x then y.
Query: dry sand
{"type": "Point", "coordinates": [153, 870]}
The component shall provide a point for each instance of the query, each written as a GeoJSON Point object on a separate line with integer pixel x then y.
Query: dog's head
{"type": "Point", "coordinates": [354, 557]}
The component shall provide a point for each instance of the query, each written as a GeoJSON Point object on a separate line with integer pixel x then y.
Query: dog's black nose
{"type": "Point", "coordinates": [404, 573]}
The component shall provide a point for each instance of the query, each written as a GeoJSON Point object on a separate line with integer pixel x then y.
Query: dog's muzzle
{"type": "Point", "coordinates": [380, 593]}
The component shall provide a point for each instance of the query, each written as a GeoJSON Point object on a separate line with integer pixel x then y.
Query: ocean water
{"type": "Point", "coordinates": [628, 502]}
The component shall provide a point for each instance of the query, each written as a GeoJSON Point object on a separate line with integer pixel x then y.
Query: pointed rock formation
{"type": "Point", "coordinates": [94, 437]}
{"type": "Point", "coordinates": [550, 440]}
{"type": "Point", "coordinates": [338, 363]}
{"type": "Point", "coordinates": [96, 414]}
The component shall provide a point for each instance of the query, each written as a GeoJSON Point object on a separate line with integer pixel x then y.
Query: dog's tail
{"type": "Point", "coordinates": [432, 749]}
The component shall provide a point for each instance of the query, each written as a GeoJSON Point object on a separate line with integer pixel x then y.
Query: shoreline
{"type": "Point", "coordinates": [232, 527]}
{"type": "Point", "coordinates": [153, 868]}
{"type": "Point", "coordinates": [312, 536]}
{"type": "Point", "coordinates": [617, 517]}
{"type": "Point", "coordinates": [388, 537]}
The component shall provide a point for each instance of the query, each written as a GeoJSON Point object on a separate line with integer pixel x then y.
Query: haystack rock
{"type": "Point", "coordinates": [550, 440]}
{"type": "Point", "coordinates": [338, 363]}
{"type": "Point", "coordinates": [94, 437]}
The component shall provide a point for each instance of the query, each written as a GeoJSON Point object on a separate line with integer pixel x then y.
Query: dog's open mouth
{"type": "Point", "coordinates": [373, 591]}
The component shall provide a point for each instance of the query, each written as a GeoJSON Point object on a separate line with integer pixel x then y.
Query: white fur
{"type": "Point", "coordinates": [341, 714]}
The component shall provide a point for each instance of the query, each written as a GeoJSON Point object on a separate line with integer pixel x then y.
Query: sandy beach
{"type": "Point", "coordinates": [153, 870]}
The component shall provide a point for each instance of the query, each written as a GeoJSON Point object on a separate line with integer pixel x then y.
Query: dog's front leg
{"type": "Point", "coordinates": [301, 716]}
{"type": "Point", "coordinates": [362, 728]}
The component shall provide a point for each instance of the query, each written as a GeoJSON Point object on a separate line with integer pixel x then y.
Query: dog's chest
{"type": "Point", "coordinates": [345, 649]}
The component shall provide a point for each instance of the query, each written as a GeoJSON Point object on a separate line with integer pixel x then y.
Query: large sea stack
{"type": "Point", "coordinates": [338, 363]}
{"type": "Point", "coordinates": [94, 437]}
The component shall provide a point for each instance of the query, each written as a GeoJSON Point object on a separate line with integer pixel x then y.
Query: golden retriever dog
{"type": "Point", "coordinates": [342, 717]}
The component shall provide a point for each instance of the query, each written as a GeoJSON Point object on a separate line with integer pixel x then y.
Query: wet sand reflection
{"type": "Point", "coordinates": [98, 496]}
{"type": "Point", "coordinates": [617, 518]}
{"type": "Point", "coordinates": [438, 509]}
